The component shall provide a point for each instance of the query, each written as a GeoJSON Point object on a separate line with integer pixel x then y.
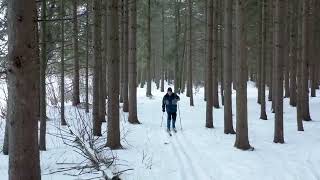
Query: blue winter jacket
{"type": "Point", "coordinates": [170, 102]}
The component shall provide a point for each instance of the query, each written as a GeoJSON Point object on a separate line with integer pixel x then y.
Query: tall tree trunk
{"type": "Point", "coordinates": [228, 124]}
{"type": "Point", "coordinates": [259, 54]}
{"type": "Point", "coordinates": [293, 52]}
{"type": "Point", "coordinates": [133, 117]}
{"type": "Point", "coordinates": [177, 87]}
{"type": "Point", "coordinates": [163, 50]}
{"type": "Point", "coordinates": [125, 107]}
{"type": "Point", "coordinates": [234, 45]}
{"type": "Point", "coordinates": [312, 60]}
{"type": "Point", "coordinates": [149, 50]}
{"type": "Point", "coordinates": [184, 59]}
{"type": "Point", "coordinates": [113, 137]}
{"type": "Point", "coordinates": [187, 51]}
{"type": "Point", "coordinates": [106, 55]}
{"type": "Point", "coordinates": [242, 139]}
{"type": "Point", "coordinates": [63, 120]}
{"type": "Point", "coordinates": [215, 56]}
{"type": "Point", "coordinates": [121, 44]}
{"type": "Point", "coordinates": [76, 93]}
{"type": "Point", "coordinates": [274, 64]}
{"type": "Point", "coordinates": [286, 52]}
{"type": "Point", "coordinates": [305, 59]}
{"type": "Point", "coordinates": [270, 45]}
{"type": "Point", "coordinates": [181, 49]}
{"type": "Point", "coordinates": [23, 70]}
{"type": "Point", "coordinates": [279, 28]}
{"type": "Point", "coordinates": [209, 118]}
{"type": "Point", "coordinates": [298, 5]}
{"type": "Point", "coordinates": [220, 48]}
{"type": "Point", "coordinates": [103, 24]}
{"type": "Point", "coordinates": [264, 50]}
{"type": "Point", "coordinates": [43, 67]}
{"type": "Point", "coordinates": [205, 50]}
{"type": "Point", "coordinates": [190, 83]}
{"type": "Point", "coordinates": [87, 57]}
{"type": "Point", "coordinates": [96, 116]}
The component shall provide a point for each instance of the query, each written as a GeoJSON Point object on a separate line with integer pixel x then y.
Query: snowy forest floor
{"type": "Point", "coordinates": [195, 152]}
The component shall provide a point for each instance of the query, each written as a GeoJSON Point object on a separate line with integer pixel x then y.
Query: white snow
{"type": "Point", "coordinates": [196, 152]}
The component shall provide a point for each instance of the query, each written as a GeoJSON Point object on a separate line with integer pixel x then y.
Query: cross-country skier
{"type": "Point", "coordinates": [169, 103]}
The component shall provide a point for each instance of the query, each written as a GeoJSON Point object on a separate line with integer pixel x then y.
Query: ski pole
{"type": "Point", "coordinates": [179, 116]}
{"type": "Point", "coordinates": [162, 119]}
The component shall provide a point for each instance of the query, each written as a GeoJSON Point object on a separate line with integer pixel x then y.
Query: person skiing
{"type": "Point", "coordinates": [169, 103]}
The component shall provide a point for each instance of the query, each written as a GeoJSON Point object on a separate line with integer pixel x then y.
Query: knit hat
{"type": "Point", "coordinates": [169, 89]}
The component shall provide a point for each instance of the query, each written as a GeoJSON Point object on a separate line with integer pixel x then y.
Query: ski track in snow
{"type": "Point", "coordinates": [184, 141]}
{"type": "Point", "coordinates": [184, 171]}
{"type": "Point", "coordinates": [198, 153]}
{"type": "Point", "coordinates": [195, 166]}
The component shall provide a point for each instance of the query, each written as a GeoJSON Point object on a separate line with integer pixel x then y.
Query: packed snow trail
{"type": "Point", "coordinates": [196, 153]}
{"type": "Point", "coordinates": [200, 153]}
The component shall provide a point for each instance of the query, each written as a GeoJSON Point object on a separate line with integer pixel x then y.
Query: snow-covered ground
{"type": "Point", "coordinates": [195, 152]}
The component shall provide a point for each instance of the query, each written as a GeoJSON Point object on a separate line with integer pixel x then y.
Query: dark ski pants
{"type": "Point", "coordinates": [173, 116]}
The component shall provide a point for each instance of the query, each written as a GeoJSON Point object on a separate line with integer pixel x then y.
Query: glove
{"type": "Point", "coordinates": [163, 110]}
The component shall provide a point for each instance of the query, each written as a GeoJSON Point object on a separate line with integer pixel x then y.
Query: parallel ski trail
{"type": "Point", "coordinates": [175, 159]}
{"type": "Point", "coordinates": [186, 147]}
{"type": "Point", "coordinates": [194, 161]}
{"type": "Point", "coordinates": [184, 170]}
{"type": "Point", "coordinates": [170, 160]}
